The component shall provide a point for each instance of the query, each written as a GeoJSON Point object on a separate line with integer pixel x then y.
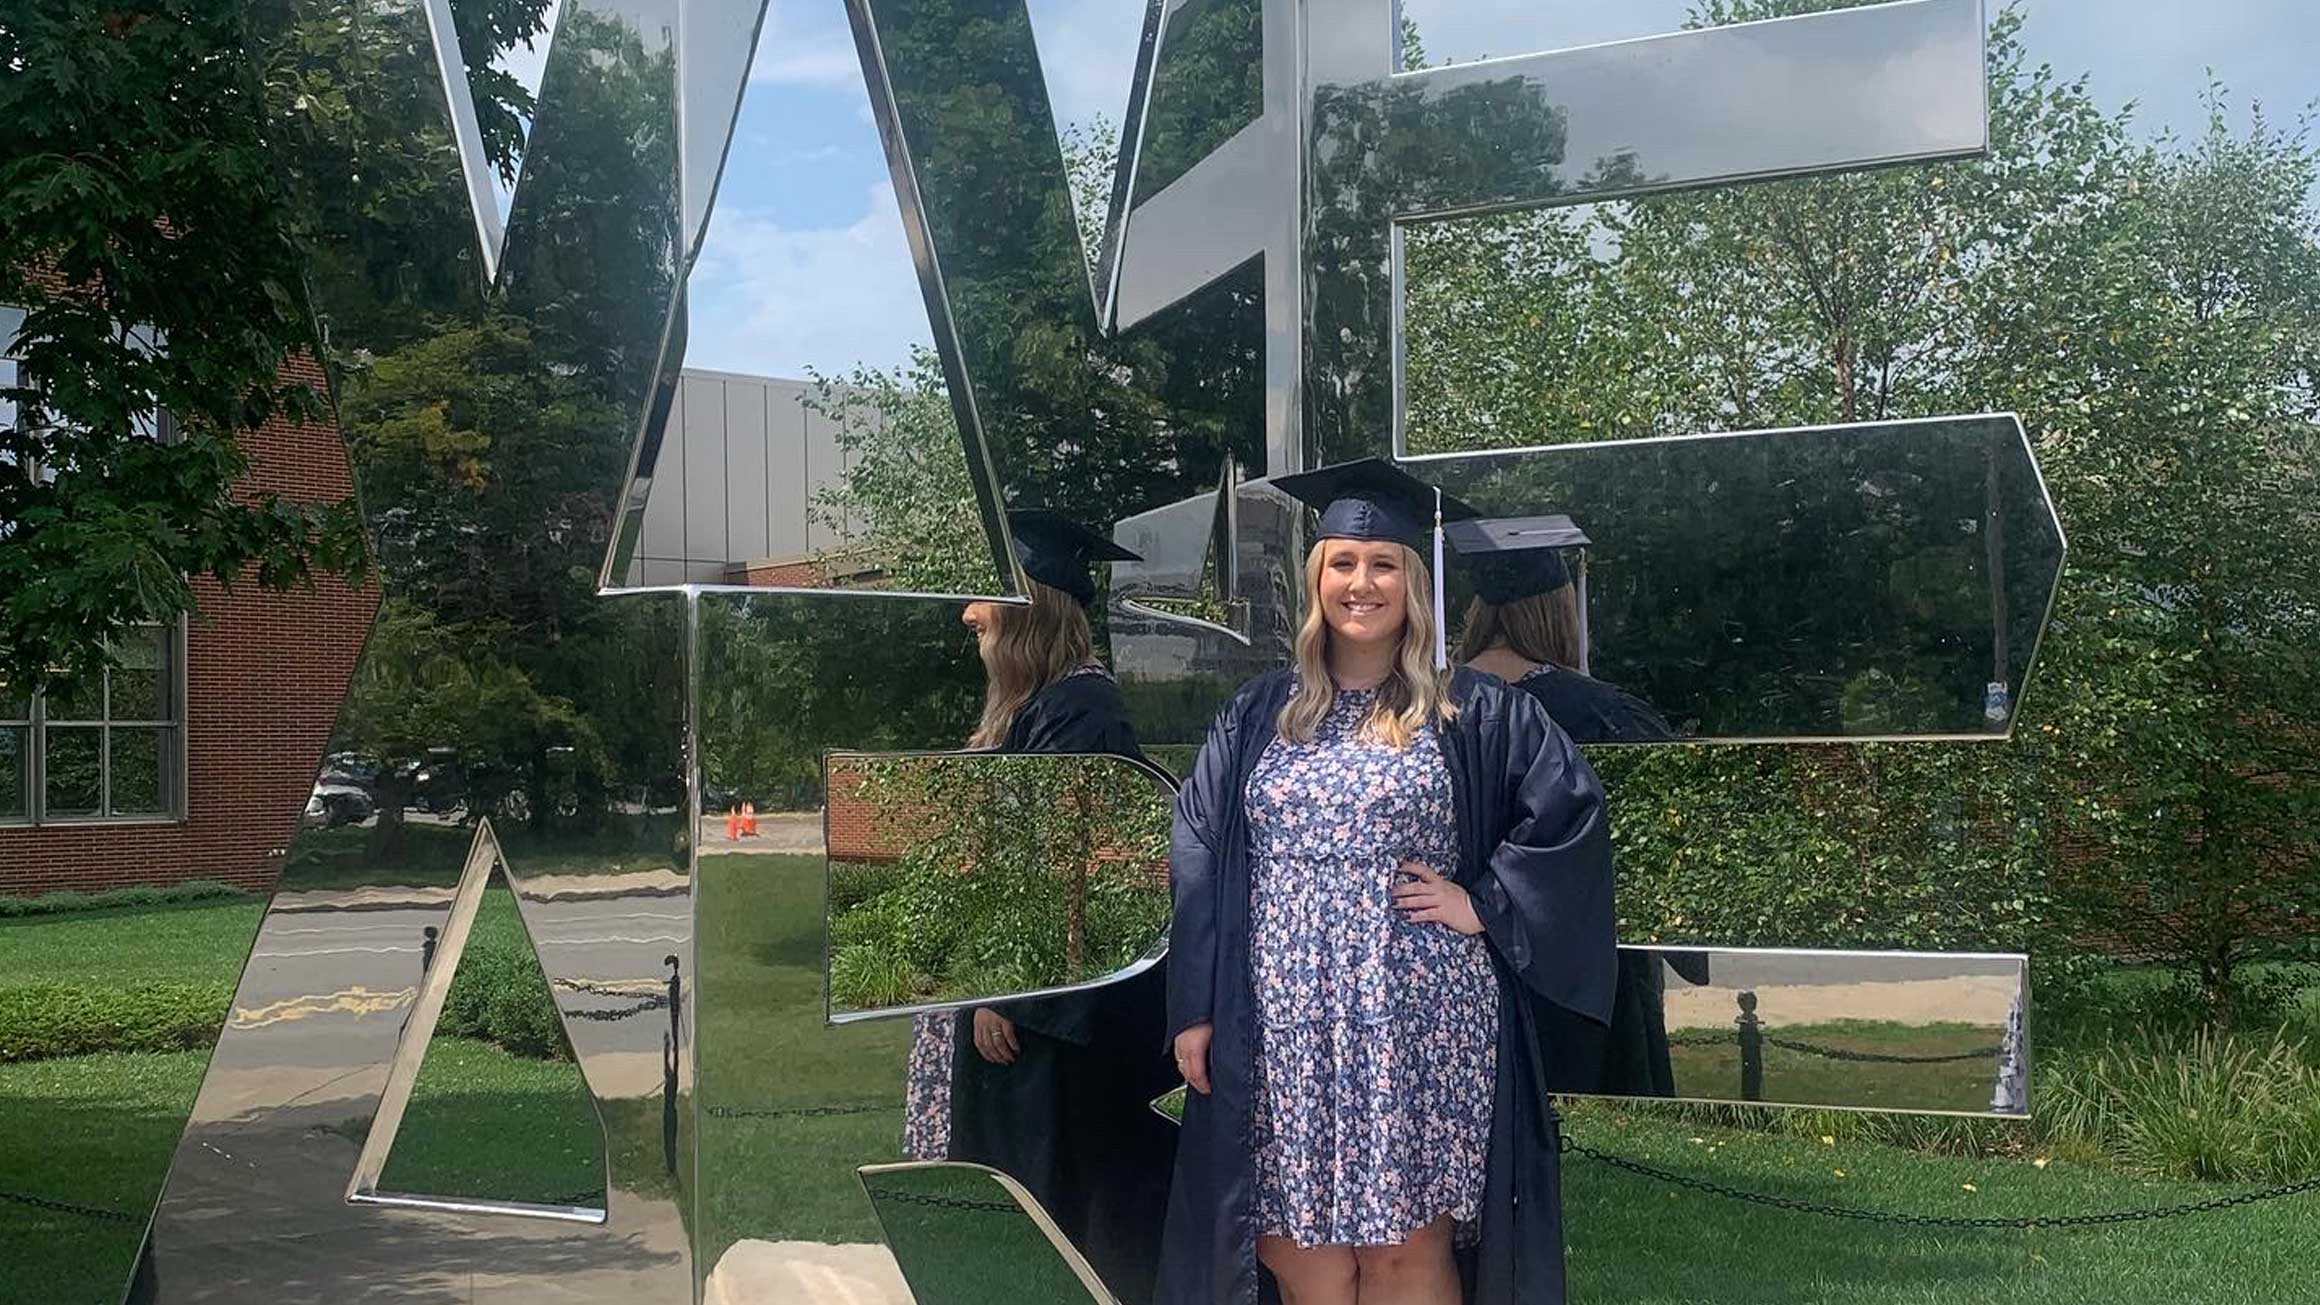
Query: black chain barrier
{"type": "Point", "coordinates": [944, 1202]}
{"type": "Point", "coordinates": [649, 1003]}
{"type": "Point", "coordinates": [68, 1207]}
{"type": "Point", "coordinates": [1880, 1058]}
{"type": "Point", "coordinates": [1833, 1053]}
{"type": "Point", "coordinates": [800, 1112]}
{"type": "Point", "coordinates": [2024, 1222]}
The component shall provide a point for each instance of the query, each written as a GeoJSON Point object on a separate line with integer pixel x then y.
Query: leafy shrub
{"type": "Point", "coordinates": [500, 996]}
{"type": "Point", "coordinates": [2210, 1106]}
{"type": "Point", "coordinates": [38, 1021]}
{"type": "Point", "coordinates": [864, 975]}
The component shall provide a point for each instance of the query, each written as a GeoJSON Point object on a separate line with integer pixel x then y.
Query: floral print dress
{"type": "Point", "coordinates": [1377, 1038]}
{"type": "Point", "coordinates": [926, 1089]}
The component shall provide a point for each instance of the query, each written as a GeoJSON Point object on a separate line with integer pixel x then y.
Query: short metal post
{"type": "Point", "coordinates": [1751, 1048]}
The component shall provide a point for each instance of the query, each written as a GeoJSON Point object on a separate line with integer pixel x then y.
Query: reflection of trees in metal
{"type": "Point", "coordinates": [1069, 414]}
{"type": "Point", "coordinates": [1208, 84]}
{"type": "Point", "coordinates": [977, 875]}
{"type": "Point", "coordinates": [489, 427]}
{"type": "Point", "coordinates": [1378, 150]}
{"type": "Point", "coordinates": [1835, 581]}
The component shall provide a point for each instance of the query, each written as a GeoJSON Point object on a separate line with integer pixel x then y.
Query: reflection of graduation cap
{"type": "Point", "coordinates": [1372, 499]}
{"type": "Point", "coordinates": [1060, 552]}
{"type": "Point", "coordinates": [1515, 558]}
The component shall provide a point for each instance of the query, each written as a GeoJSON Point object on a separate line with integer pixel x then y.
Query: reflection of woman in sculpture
{"type": "Point", "coordinates": [1378, 865]}
{"type": "Point", "coordinates": [1524, 627]}
{"type": "Point", "coordinates": [1054, 1091]}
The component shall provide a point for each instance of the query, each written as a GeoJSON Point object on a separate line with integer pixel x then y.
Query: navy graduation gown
{"type": "Point", "coordinates": [1631, 1057]}
{"type": "Point", "coordinates": [1595, 711]}
{"type": "Point", "coordinates": [1534, 854]}
{"type": "Point", "coordinates": [1071, 1118]}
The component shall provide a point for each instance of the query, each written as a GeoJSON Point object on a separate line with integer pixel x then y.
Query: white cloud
{"type": "Point", "coordinates": [775, 300]}
{"type": "Point", "coordinates": [805, 43]}
{"type": "Point", "coordinates": [1088, 49]}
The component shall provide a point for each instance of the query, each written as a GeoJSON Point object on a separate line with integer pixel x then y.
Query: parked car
{"type": "Point", "coordinates": [352, 769]}
{"type": "Point", "coordinates": [342, 804]}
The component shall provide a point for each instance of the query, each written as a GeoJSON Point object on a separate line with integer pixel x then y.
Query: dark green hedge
{"type": "Point", "coordinates": [196, 890]}
{"type": "Point", "coordinates": [500, 996]}
{"type": "Point", "coordinates": [38, 1021]}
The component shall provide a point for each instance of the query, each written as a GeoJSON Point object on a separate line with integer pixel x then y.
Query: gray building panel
{"type": "Point", "coordinates": [748, 482]}
{"type": "Point", "coordinates": [700, 414]}
{"type": "Point", "coordinates": [736, 479]}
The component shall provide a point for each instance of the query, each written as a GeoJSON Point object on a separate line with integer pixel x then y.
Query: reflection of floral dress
{"type": "Point", "coordinates": [926, 1095]}
{"type": "Point", "coordinates": [1378, 1039]}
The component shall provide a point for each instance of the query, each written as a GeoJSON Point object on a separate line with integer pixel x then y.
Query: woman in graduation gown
{"type": "Point", "coordinates": [1378, 868]}
{"type": "Point", "coordinates": [1524, 626]}
{"type": "Point", "coordinates": [1056, 1091]}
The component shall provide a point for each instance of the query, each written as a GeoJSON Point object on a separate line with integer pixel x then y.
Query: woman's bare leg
{"type": "Point", "coordinates": [1420, 1271]}
{"type": "Point", "coordinates": [1310, 1275]}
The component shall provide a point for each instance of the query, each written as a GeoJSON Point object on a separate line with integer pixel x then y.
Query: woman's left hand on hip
{"type": "Point", "coordinates": [1430, 897]}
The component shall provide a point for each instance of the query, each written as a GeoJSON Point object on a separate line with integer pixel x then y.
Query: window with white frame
{"type": "Point", "coordinates": [109, 746]}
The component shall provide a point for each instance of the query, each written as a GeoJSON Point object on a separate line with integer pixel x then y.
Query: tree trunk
{"type": "Point", "coordinates": [1075, 919]}
{"type": "Point", "coordinates": [386, 840]}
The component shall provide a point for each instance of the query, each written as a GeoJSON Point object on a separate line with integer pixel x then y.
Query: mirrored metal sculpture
{"type": "Point", "coordinates": [492, 399]}
{"type": "Point", "coordinates": [1884, 580]}
{"type": "Point", "coordinates": [1051, 873]}
{"type": "Point", "coordinates": [970, 1234]}
{"type": "Point", "coordinates": [1890, 1031]}
{"type": "Point", "coordinates": [508, 413]}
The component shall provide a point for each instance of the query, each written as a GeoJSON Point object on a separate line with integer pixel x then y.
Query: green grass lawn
{"type": "Point", "coordinates": [97, 1131]}
{"type": "Point", "coordinates": [1640, 1241]}
{"type": "Point", "coordinates": [125, 946]}
{"type": "Point", "coordinates": [485, 1123]}
{"type": "Point", "coordinates": [792, 1106]}
{"type": "Point", "coordinates": [434, 854]}
{"type": "Point", "coordinates": [1706, 1067]}
{"type": "Point", "coordinates": [767, 1048]}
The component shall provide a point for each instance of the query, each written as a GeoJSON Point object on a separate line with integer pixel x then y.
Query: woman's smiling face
{"type": "Point", "coordinates": [1364, 590]}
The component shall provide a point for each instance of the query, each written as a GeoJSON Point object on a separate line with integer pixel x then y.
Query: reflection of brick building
{"type": "Point", "coordinates": [857, 832]}
{"type": "Point", "coordinates": [206, 776]}
{"type": "Point", "coordinates": [851, 827]}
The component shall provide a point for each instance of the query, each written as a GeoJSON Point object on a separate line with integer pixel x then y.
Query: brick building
{"type": "Point", "coordinates": [223, 722]}
{"type": "Point", "coordinates": [196, 758]}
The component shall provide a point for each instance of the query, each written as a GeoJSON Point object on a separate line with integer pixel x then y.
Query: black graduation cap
{"type": "Point", "coordinates": [1516, 557]}
{"type": "Point", "coordinates": [1060, 552]}
{"type": "Point", "coordinates": [1372, 499]}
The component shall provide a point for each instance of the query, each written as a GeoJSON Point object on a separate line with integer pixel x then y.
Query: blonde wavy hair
{"type": "Point", "coordinates": [1414, 694]}
{"type": "Point", "coordinates": [1032, 645]}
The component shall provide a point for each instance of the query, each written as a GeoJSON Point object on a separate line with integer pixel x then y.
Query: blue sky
{"type": "Point", "coordinates": [804, 266]}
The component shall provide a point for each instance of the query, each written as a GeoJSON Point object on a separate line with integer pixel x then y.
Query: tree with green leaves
{"type": "Point", "coordinates": [2150, 309]}
{"type": "Point", "coordinates": [150, 239]}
